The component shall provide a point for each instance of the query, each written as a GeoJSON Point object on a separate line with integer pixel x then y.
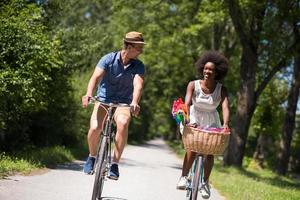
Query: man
{"type": "Point", "coordinates": [119, 76]}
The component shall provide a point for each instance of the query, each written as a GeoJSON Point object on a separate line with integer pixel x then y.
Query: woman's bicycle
{"type": "Point", "coordinates": [103, 157]}
{"type": "Point", "coordinates": [196, 177]}
{"type": "Point", "coordinates": [204, 142]}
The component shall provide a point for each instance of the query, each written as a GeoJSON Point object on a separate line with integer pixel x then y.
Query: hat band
{"type": "Point", "coordinates": [134, 39]}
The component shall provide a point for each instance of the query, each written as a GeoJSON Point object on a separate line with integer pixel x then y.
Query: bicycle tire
{"type": "Point", "coordinates": [198, 175]}
{"type": "Point", "coordinates": [191, 179]}
{"type": "Point", "coordinates": [100, 170]}
{"type": "Point", "coordinates": [195, 183]}
{"type": "Point", "coordinates": [189, 187]}
{"type": "Point", "coordinates": [188, 194]}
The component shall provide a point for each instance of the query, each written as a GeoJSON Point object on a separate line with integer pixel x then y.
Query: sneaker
{"type": "Point", "coordinates": [205, 191]}
{"type": "Point", "coordinates": [89, 165]}
{"type": "Point", "coordinates": [114, 172]}
{"type": "Point", "coordinates": [182, 183]}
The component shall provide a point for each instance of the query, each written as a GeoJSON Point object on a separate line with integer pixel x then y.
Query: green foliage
{"type": "Point", "coordinates": [82, 29]}
{"type": "Point", "coordinates": [81, 120]}
{"type": "Point", "coordinates": [27, 57]}
{"type": "Point", "coordinates": [175, 33]}
{"type": "Point", "coordinates": [269, 112]}
{"type": "Point", "coordinates": [34, 86]}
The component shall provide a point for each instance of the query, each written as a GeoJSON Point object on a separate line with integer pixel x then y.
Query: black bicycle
{"type": "Point", "coordinates": [103, 158]}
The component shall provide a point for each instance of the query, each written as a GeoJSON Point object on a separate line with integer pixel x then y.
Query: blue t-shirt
{"type": "Point", "coordinates": [117, 84]}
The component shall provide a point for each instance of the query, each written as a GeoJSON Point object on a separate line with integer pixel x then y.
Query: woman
{"type": "Point", "coordinates": [202, 98]}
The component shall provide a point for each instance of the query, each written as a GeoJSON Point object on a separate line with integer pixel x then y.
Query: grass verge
{"type": "Point", "coordinates": [253, 183]}
{"type": "Point", "coordinates": [26, 162]}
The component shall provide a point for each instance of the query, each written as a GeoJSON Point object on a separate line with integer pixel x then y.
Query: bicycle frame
{"type": "Point", "coordinates": [196, 177]}
{"type": "Point", "coordinates": [104, 157]}
{"type": "Point", "coordinates": [107, 133]}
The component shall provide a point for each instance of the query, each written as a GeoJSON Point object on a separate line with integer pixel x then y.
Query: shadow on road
{"type": "Point", "coordinates": [75, 166]}
{"type": "Point", "coordinates": [112, 198]}
{"type": "Point", "coordinates": [78, 164]}
{"type": "Point", "coordinates": [152, 144]}
{"type": "Point", "coordinates": [179, 167]}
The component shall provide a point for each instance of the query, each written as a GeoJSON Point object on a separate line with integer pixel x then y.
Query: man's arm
{"type": "Point", "coordinates": [138, 82]}
{"type": "Point", "coordinates": [94, 80]}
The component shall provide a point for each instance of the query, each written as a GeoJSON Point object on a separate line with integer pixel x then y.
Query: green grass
{"type": "Point", "coordinates": [249, 182]}
{"type": "Point", "coordinates": [26, 162]}
{"type": "Point", "coordinates": [253, 183]}
{"type": "Point", "coordinates": [10, 165]}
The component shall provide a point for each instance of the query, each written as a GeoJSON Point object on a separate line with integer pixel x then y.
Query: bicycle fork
{"type": "Point", "coordinates": [199, 168]}
{"type": "Point", "coordinates": [197, 177]}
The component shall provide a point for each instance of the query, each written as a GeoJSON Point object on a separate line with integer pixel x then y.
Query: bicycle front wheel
{"type": "Point", "coordinates": [196, 179]}
{"type": "Point", "coordinates": [100, 170]}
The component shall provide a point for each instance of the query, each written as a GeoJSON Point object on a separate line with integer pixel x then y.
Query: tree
{"type": "Point", "coordinates": [176, 32]}
{"type": "Point", "coordinates": [33, 80]}
{"type": "Point", "coordinates": [267, 122]}
{"type": "Point", "coordinates": [259, 54]}
{"type": "Point", "coordinates": [289, 121]}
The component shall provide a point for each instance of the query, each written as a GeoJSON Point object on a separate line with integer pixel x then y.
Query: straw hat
{"type": "Point", "coordinates": [134, 37]}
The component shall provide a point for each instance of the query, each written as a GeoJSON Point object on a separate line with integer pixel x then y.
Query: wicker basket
{"type": "Point", "coordinates": [204, 142]}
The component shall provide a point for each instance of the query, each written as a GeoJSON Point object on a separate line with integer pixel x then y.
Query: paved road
{"type": "Point", "coordinates": [148, 172]}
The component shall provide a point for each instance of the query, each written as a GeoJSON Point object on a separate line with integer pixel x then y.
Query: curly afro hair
{"type": "Point", "coordinates": [220, 61]}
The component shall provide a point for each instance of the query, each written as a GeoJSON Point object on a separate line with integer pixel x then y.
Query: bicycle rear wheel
{"type": "Point", "coordinates": [100, 170]}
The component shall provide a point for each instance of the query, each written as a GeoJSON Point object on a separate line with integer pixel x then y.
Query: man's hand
{"type": "Point", "coordinates": [85, 100]}
{"type": "Point", "coordinates": [135, 109]}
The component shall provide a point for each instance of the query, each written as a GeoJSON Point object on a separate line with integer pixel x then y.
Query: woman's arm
{"type": "Point", "coordinates": [225, 107]}
{"type": "Point", "coordinates": [188, 95]}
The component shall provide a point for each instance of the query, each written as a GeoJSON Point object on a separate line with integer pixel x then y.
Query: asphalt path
{"type": "Point", "coordinates": [147, 172]}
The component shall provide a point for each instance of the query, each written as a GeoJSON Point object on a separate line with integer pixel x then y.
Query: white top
{"type": "Point", "coordinates": [203, 109]}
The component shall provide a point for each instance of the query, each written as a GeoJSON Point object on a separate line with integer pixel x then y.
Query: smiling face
{"type": "Point", "coordinates": [209, 71]}
{"type": "Point", "coordinates": [135, 50]}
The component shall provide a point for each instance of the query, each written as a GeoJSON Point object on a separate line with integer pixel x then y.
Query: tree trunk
{"type": "Point", "coordinates": [263, 142]}
{"type": "Point", "coordinates": [217, 30]}
{"type": "Point", "coordinates": [245, 109]}
{"type": "Point", "coordinates": [289, 121]}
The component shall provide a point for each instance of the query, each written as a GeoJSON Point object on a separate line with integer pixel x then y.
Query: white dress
{"type": "Point", "coordinates": [203, 109]}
